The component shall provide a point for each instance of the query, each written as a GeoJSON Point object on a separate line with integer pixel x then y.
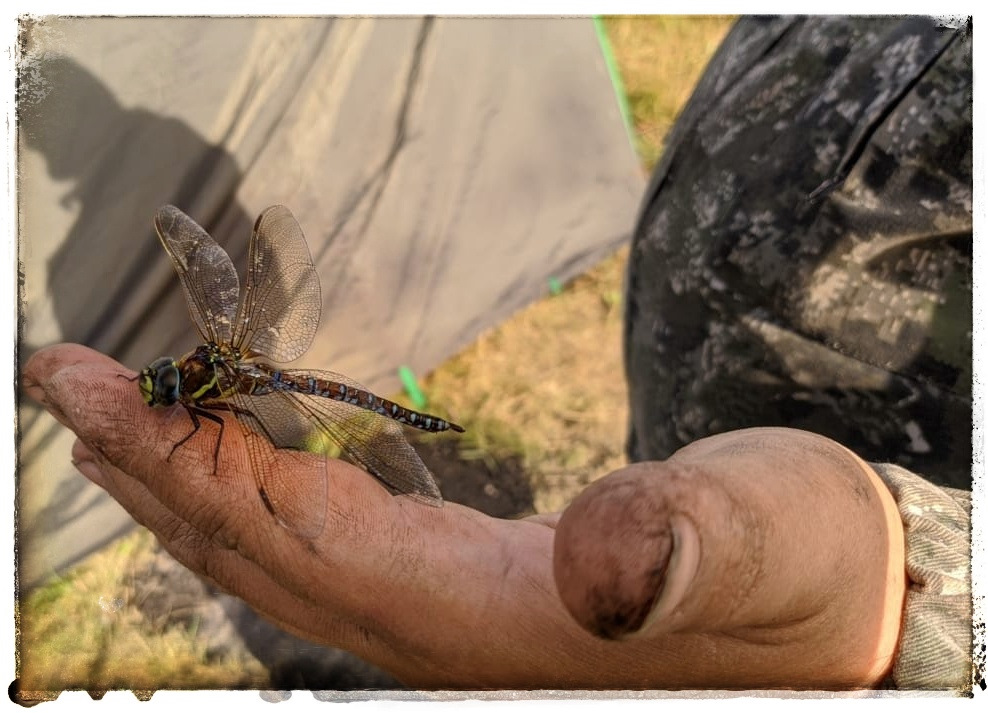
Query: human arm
{"type": "Point", "coordinates": [799, 583]}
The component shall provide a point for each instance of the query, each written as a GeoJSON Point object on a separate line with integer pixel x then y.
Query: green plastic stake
{"type": "Point", "coordinates": [411, 385]}
{"type": "Point", "coordinates": [555, 286]}
{"type": "Point", "coordinates": [615, 75]}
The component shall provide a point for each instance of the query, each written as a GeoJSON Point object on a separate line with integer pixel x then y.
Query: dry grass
{"type": "Point", "coordinates": [84, 631]}
{"type": "Point", "coordinates": [546, 387]}
{"type": "Point", "coordinates": [660, 58]}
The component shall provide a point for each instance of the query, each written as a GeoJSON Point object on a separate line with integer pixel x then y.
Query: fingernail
{"type": "Point", "coordinates": [85, 462]}
{"type": "Point", "coordinates": [684, 560]}
{"type": "Point", "coordinates": [89, 469]}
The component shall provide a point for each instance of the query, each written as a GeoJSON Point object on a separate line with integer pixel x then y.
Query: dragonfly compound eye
{"type": "Point", "coordinates": [160, 382]}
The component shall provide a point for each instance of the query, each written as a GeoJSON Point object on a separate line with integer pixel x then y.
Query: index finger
{"type": "Point", "coordinates": [97, 398]}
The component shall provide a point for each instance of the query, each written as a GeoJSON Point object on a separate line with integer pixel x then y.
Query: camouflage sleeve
{"type": "Point", "coordinates": [803, 252]}
{"type": "Point", "coordinates": [935, 644]}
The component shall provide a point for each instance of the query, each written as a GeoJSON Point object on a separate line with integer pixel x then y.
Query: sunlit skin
{"type": "Point", "coordinates": [784, 550]}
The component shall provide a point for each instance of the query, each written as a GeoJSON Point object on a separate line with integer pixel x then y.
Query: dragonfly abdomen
{"type": "Point", "coordinates": [359, 397]}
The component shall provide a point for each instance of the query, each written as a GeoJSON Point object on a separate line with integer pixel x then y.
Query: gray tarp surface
{"type": "Point", "coordinates": [442, 170]}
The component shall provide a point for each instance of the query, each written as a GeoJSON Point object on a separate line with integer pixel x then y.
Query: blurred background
{"type": "Point", "coordinates": [466, 186]}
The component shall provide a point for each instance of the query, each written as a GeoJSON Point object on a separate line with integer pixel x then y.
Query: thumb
{"type": "Point", "coordinates": [624, 553]}
{"type": "Point", "coordinates": [766, 527]}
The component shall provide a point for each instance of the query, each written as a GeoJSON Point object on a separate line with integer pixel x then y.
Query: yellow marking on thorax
{"type": "Point", "coordinates": [201, 391]}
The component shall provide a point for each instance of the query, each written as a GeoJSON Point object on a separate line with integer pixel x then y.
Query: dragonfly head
{"type": "Point", "coordinates": [160, 382]}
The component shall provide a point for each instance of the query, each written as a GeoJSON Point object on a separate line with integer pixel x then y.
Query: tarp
{"type": "Point", "coordinates": [442, 171]}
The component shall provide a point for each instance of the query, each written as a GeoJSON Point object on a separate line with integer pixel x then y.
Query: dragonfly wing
{"type": "Point", "coordinates": [332, 428]}
{"type": "Point", "coordinates": [208, 276]}
{"type": "Point", "coordinates": [374, 442]}
{"type": "Point", "coordinates": [282, 301]}
{"type": "Point", "coordinates": [371, 440]}
{"type": "Point", "coordinates": [298, 498]}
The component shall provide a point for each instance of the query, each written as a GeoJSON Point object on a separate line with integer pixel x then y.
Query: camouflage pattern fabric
{"type": "Point", "coordinates": [803, 254]}
{"type": "Point", "coordinates": [803, 258]}
{"type": "Point", "coordinates": [935, 646]}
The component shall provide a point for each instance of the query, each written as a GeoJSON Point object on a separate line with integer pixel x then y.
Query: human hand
{"type": "Point", "coordinates": [798, 579]}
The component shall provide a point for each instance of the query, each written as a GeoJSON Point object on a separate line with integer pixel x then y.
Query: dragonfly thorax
{"type": "Point", "coordinates": [160, 382]}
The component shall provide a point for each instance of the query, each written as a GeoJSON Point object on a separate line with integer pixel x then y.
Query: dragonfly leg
{"type": "Point", "coordinates": [202, 411]}
{"type": "Point", "coordinates": [194, 413]}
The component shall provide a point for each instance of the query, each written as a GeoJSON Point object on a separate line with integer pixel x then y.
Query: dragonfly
{"type": "Point", "coordinates": [245, 337]}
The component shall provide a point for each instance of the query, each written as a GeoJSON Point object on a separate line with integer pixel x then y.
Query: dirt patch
{"type": "Point", "coordinates": [497, 486]}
